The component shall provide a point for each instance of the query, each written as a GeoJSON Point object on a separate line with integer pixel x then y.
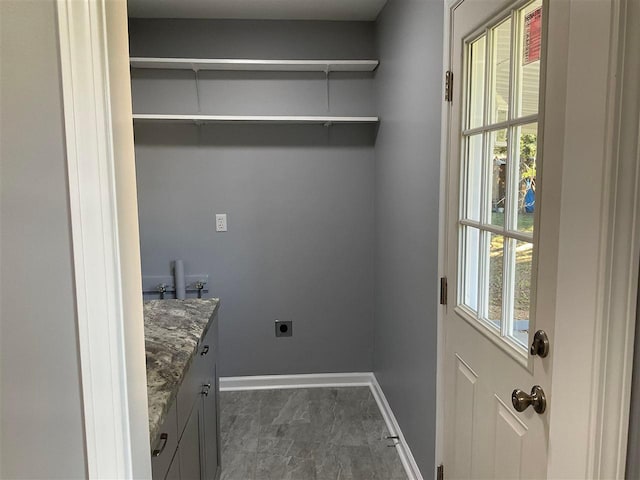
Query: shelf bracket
{"type": "Point", "coordinates": [195, 73]}
{"type": "Point", "coordinates": [199, 124]}
{"type": "Point", "coordinates": [327, 128]}
{"type": "Point", "coordinates": [327, 71]}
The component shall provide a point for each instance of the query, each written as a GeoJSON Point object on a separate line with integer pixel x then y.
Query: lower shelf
{"type": "Point", "coordinates": [324, 120]}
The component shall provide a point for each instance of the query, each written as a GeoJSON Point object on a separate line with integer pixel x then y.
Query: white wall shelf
{"type": "Point", "coordinates": [255, 65]}
{"type": "Point", "coordinates": [326, 120]}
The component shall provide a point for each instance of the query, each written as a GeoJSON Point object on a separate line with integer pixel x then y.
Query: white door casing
{"type": "Point", "coordinates": [576, 277]}
{"type": "Point", "coordinates": [621, 281]}
{"type": "Point", "coordinates": [94, 59]}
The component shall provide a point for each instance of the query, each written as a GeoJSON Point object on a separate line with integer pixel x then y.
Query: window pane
{"type": "Point", "coordinates": [495, 280]}
{"type": "Point", "coordinates": [522, 291]}
{"type": "Point", "coordinates": [476, 81]}
{"type": "Point", "coordinates": [498, 149]}
{"type": "Point", "coordinates": [500, 68]}
{"type": "Point", "coordinates": [470, 267]}
{"type": "Point", "coordinates": [474, 177]}
{"type": "Point", "coordinates": [527, 137]}
{"type": "Point", "coordinates": [530, 48]}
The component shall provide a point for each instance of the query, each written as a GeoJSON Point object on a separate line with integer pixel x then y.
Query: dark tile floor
{"type": "Point", "coordinates": [305, 434]}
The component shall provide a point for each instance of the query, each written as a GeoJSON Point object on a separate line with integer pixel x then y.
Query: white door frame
{"type": "Point", "coordinates": [610, 232]}
{"type": "Point", "coordinates": [94, 57]}
{"type": "Point", "coordinates": [620, 283]}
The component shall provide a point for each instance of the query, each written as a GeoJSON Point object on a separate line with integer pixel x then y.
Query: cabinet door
{"type": "Point", "coordinates": [211, 431]}
{"type": "Point", "coordinates": [163, 450]}
{"type": "Point", "coordinates": [189, 448]}
{"type": "Point", "coordinates": [174, 469]}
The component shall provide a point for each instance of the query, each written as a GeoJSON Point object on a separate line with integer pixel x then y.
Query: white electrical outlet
{"type": "Point", "coordinates": [221, 222]}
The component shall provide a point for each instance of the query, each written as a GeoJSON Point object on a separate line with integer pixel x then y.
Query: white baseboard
{"type": "Point", "coordinates": [364, 379]}
{"type": "Point", "coordinates": [272, 382]}
{"type": "Point", "coordinates": [406, 457]}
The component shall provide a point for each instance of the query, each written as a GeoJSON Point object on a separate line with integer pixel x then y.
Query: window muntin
{"type": "Point", "coordinates": [500, 134]}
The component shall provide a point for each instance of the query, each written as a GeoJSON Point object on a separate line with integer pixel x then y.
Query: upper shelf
{"type": "Point", "coordinates": [326, 120]}
{"type": "Point", "coordinates": [255, 65]}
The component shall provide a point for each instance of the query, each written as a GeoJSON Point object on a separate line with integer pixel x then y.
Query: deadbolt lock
{"type": "Point", "coordinates": [540, 344]}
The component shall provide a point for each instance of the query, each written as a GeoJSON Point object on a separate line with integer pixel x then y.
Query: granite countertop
{"type": "Point", "coordinates": [172, 330]}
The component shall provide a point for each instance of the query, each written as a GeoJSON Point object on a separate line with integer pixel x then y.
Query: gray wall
{"type": "Point", "coordinates": [41, 429]}
{"type": "Point", "coordinates": [312, 212]}
{"type": "Point", "coordinates": [299, 199]}
{"type": "Point", "coordinates": [251, 39]}
{"type": "Point", "coordinates": [407, 153]}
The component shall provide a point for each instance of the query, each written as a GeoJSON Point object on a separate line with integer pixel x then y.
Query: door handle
{"type": "Point", "coordinates": [522, 400]}
{"type": "Point", "coordinates": [156, 452]}
{"type": "Point", "coordinates": [205, 389]}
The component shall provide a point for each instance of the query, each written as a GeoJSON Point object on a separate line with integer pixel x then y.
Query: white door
{"type": "Point", "coordinates": [495, 224]}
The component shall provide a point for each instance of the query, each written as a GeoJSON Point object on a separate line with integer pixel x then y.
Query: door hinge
{"type": "Point", "coordinates": [440, 472]}
{"type": "Point", "coordinates": [443, 291]}
{"type": "Point", "coordinates": [448, 86]}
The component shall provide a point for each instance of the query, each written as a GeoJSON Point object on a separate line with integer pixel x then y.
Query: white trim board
{"type": "Point", "coordinates": [93, 43]}
{"type": "Point", "coordinates": [612, 396]}
{"type": "Point", "coordinates": [406, 457]}
{"type": "Point", "coordinates": [94, 227]}
{"type": "Point", "coordinates": [318, 380]}
{"type": "Point", "coordinates": [274, 382]}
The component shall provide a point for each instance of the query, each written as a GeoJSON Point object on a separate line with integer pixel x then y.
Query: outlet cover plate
{"type": "Point", "coordinates": [221, 222]}
{"type": "Point", "coordinates": [284, 328]}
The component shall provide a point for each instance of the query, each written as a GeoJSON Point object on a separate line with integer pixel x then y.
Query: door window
{"type": "Point", "coordinates": [498, 194]}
